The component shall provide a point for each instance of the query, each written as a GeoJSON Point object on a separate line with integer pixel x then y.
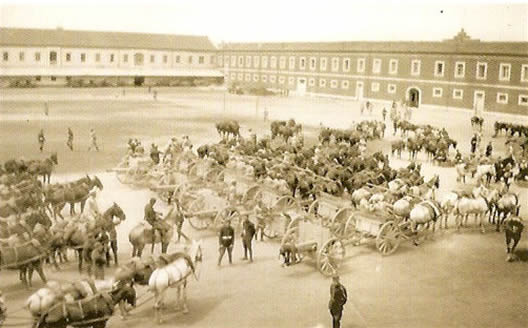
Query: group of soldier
{"type": "Point", "coordinates": [69, 141]}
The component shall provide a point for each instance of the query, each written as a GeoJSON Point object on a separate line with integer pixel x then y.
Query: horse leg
{"type": "Point", "coordinates": [80, 255]}
{"type": "Point", "coordinates": [158, 304]}
{"type": "Point", "coordinates": [498, 222]}
{"type": "Point", "coordinates": [164, 246]}
{"type": "Point", "coordinates": [40, 271]}
{"type": "Point", "coordinates": [22, 276]}
{"type": "Point", "coordinates": [184, 300]}
{"type": "Point", "coordinates": [113, 244]}
{"type": "Point", "coordinates": [481, 221]}
{"type": "Point", "coordinates": [72, 209]}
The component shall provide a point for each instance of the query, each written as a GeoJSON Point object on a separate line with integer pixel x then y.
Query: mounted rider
{"type": "Point", "coordinates": [153, 218]}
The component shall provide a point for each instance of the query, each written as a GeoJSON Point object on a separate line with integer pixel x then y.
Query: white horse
{"type": "Point", "coordinates": [447, 202]}
{"type": "Point", "coordinates": [424, 214]}
{"type": "Point", "coordinates": [478, 206]}
{"type": "Point", "coordinates": [485, 171]}
{"type": "Point", "coordinates": [174, 273]}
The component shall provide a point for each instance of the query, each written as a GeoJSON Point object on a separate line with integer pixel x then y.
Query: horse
{"type": "Point", "coordinates": [44, 168]}
{"type": "Point", "coordinates": [396, 147]}
{"type": "Point", "coordinates": [25, 256]}
{"type": "Point", "coordinates": [402, 207]}
{"type": "Point", "coordinates": [94, 311]}
{"type": "Point", "coordinates": [178, 267]}
{"type": "Point", "coordinates": [424, 214]}
{"type": "Point", "coordinates": [143, 234]}
{"type": "Point", "coordinates": [136, 270]}
{"type": "Point", "coordinates": [427, 189]}
{"type": "Point", "coordinates": [447, 202]}
{"type": "Point", "coordinates": [504, 205]}
{"type": "Point", "coordinates": [465, 206]}
{"type": "Point", "coordinates": [487, 171]}
{"type": "Point", "coordinates": [72, 193]}
{"type": "Point", "coordinates": [112, 217]}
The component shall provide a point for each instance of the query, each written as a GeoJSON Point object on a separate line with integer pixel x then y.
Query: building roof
{"type": "Point", "coordinates": [94, 39]}
{"type": "Point", "coordinates": [460, 44]}
{"type": "Point", "coordinates": [108, 72]}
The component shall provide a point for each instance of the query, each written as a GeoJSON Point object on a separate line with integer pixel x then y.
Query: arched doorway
{"type": "Point", "coordinates": [413, 97]}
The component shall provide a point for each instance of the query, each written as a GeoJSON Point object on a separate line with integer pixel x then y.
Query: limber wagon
{"type": "Point", "coordinates": [332, 212]}
{"type": "Point", "coordinates": [311, 239]}
{"type": "Point", "coordinates": [276, 205]}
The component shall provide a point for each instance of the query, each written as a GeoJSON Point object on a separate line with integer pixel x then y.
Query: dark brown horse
{"type": "Point", "coordinates": [112, 217]}
{"type": "Point", "coordinates": [72, 193]}
{"type": "Point", "coordinates": [43, 168]}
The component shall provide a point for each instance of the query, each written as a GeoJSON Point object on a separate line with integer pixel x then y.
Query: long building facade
{"type": "Point", "coordinates": [456, 73]}
{"type": "Point", "coordinates": [33, 57]}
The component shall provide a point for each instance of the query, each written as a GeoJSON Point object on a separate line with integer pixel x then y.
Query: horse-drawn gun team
{"type": "Point", "coordinates": [313, 198]}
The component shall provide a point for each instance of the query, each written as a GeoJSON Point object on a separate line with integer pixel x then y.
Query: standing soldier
{"type": "Point", "coordinates": [41, 139]}
{"type": "Point", "coordinates": [338, 298]}
{"type": "Point", "coordinates": [93, 140]}
{"type": "Point", "coordinates": [489, 149]}
{"type": "Point", "coordinates": [248, 232]}
{"type": "Point", "coordinates": [384, 113]}
{"type": "Point", "coordinates": [474, 143]}
{"type": "Point", "coordinates": [175, 210]}
{"type": "Point", "coordinates": [226, 240]}
{"type": "Point", "coordinates": [3, 309]}
{"type": "Point", "coordinates": [46, 109]}
{"type": "Point", "coordinates": [69, 143]}
{"type": "Point", "coordinates": [155, 154]}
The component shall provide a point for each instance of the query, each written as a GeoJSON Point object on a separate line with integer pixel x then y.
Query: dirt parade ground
{"type": "Point", "coordinates": [452, 279]}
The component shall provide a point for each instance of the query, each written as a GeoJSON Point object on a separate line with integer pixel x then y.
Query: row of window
{"type": "Point", "coordinates": [502, 98]}
{"type": "Point", "coordinates": [111, 58]}
{"type": "Point", "coordinates": [311, 63]}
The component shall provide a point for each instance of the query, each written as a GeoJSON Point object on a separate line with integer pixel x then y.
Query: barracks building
{"type": "Point", "coordinates": [460, 72]}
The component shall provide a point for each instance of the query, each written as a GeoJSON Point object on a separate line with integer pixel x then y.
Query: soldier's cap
{"type": "Point", "coordinates": [152, 199]}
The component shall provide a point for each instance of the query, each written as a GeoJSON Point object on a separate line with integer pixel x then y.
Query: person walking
{"type": "Point", "coordinates": [41, 140]}
{"type": "Point", "coordinates": [474, 142]}
{"type": "Point", "coordinates": [226, 239]}
{"type": "Point", "coordinates": [248, 233]}
{"type": "Point", "coordinates": [93, 140]}
{"type": "Point", "coordinates": [513, 228]}
{"type": "Point", "coordinates": [338, 298]}
{"type": "Point", "coordinates": [489, 149]}
{"type": "Point", "coordinates": [69, 143]}
{"type": "Point", "coordinates": [155, 154]}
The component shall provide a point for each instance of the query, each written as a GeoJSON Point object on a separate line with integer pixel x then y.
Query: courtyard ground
{"type": "Point", "coordinates": [452, 280]}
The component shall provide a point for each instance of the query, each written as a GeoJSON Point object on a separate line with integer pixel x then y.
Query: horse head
{"type": "Point", "coordinates": [116, 211]}
{"type": "Point", "coordinates": [122, 291]}
{"type": "Point", "coordinates": [54, 158]}
{"type": "Point", "coordinates": [97, 183]}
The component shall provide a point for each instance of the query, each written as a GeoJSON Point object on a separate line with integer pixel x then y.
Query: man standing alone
{"type": "Point", "coordinates": [248, 232]}
{"type": "Point", "coordinates": [69, 143]}
{"type": "Point", "coordinates": [338, 298]}
{"type": "Point", "coordinates": [41, 140]}
{"type": "Point", "coordinates": [226, 240]}
{"type": "Point", "coordinates": [93, 140]}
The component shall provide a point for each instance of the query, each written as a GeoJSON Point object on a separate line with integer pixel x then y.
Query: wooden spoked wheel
{"type": "Point", "coordinates": [350, 234]}
{"type": "Point", "coordinates": [250, 194]}
{"type": "Point", "coordinates": [388, 238]}
{"type": "Point", "coordinates": [313, 210]}
{"type": "Point", "coordinates": [330, 256]}
{"type": "Point", "coordinates": [276, 225]}
{"type": "Point", "coordinates": [198, 222]}
{"type": "Point", "coordinates": [291, 236]}
{"type": "Point", "coordinates": [284, 203]}
{"type": "Point", "coordinates": [339, 221]}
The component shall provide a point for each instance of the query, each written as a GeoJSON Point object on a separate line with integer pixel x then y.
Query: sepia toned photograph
{"type": "Point", "coordinates": [263, 164]}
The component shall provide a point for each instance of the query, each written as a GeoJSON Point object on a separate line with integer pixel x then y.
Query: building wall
{"type": "Point", "coordinates": [38, 58]}
{"type": "Point", "coordinates": [436, 88]}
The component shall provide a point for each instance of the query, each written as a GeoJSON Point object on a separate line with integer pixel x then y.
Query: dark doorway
{"type": "Point", "coordinates": [139, 80]}
{"type": "Point", "coordinates": [414, 98]}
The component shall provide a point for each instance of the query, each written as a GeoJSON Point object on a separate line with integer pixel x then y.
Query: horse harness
{"type": "Point", "coordinates": [79, 303]}
{"type": "Point", "coordinates": [432, 207]}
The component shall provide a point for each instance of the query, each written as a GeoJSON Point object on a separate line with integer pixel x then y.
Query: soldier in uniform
{"type": "Point", "coordinates": [153, 218]}
{"type": "Point", "coordinates": [338, 298]}
{"type": "Point", "coordinates": [93, 140]}
{"type": "Point", "coordinates": [248, 232]}
{"type": "Point", "coordinates": [155, 154]}
{"type": "Point", "coordinates": [69, 143]}
{"type": "Point", "coordinates": [41, 140]}
{"type": "Point", "coordinates": [489, 149]}
{"type": "Point", "coordinates": [226, 239]}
